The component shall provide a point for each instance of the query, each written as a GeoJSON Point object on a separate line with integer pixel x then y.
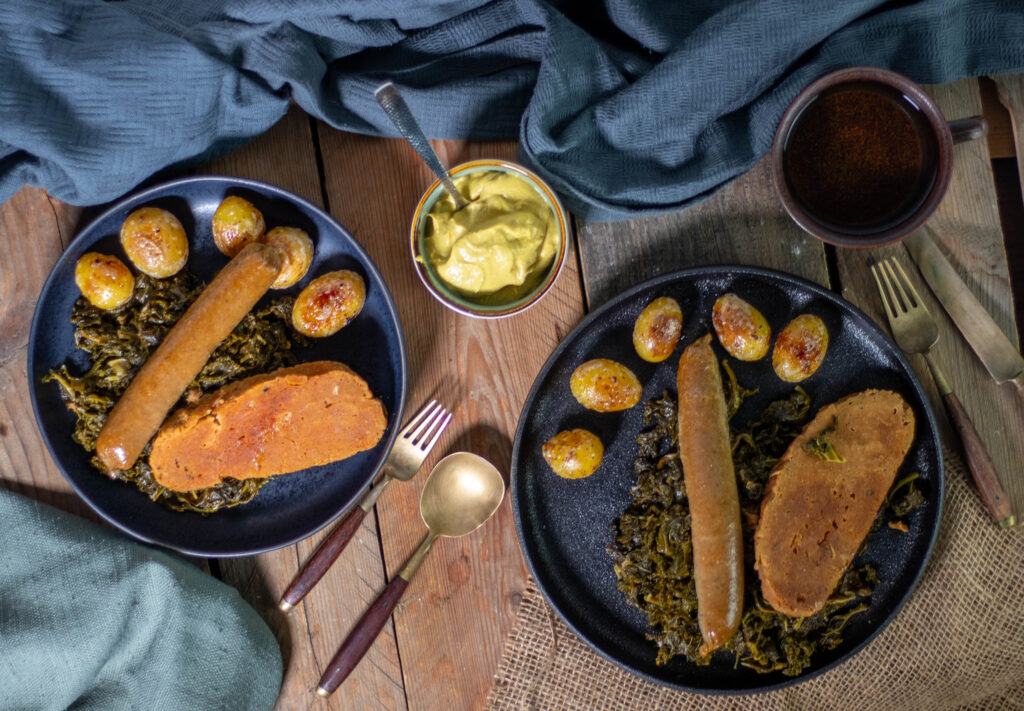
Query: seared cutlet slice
{"type": "Point", "coordinates": [816, 513]}
{"type": "Point", "coordinates": [281, 422]}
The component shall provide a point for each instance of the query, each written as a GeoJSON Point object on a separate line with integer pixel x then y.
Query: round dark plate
{"type": "Point", "coordinates": [288, 508]}
{"type": "Point", "coordinates": [564, 525]}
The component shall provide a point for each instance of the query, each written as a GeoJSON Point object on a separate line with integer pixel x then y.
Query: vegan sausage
{"type": "Point", "coordinates": [706, 455]}
{"type": "Point", "coordinates": [182, 354]}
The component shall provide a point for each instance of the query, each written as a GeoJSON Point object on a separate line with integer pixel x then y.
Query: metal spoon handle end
{"type": "Point", "coordinates": [398, 111]}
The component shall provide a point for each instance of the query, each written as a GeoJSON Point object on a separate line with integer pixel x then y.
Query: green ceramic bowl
{"type": "Point", "coordinates": [490, 306]}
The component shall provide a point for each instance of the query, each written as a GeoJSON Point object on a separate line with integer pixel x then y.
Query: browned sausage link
{"type": "Point", "coordinates": [183, 353]}
{"type": "Point", "coordinates": [706, 454]}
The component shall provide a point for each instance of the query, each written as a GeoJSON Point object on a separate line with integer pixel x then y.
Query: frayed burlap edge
{"type": "Point", "coordinates": [956, 644]}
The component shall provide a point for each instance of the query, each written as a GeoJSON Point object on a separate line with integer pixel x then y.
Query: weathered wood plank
{"type": "Point", "coordinates": [968, 226]}
{"type": "Point", "coordinates": [453, 620]}
{"type": "Point", "coordinates": [34, 230]}
{"type": "Point", "coordinates": [743, 223]}
{"type": "Point", "coordinates": [1011, 95]}
{"type": "Point", "coordinates": [285, 156]}
{"type": "Point", "coordinates": [1000, 127]}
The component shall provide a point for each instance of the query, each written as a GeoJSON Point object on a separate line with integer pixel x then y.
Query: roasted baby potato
{"type": "Point", "coordinates": [657, 329]}
{"type": "Point", "coordinates": [328, 303]}
{"type": "Point", "coordinates": [573, 454]}
{"type": "Point", "coordinates": [236, 223]}
{"type": "Point", "coordinates": [155, 242]}
{"type": "Point", "coordinates": [741, 329]}
{"type": "Point", "coordinates": [104, 280]}
{"type": "Point", "coordinates": [605, 386]}
{"type": "Point", "coordinates": [800, 348]}
{"type": "Point", "coordinates": [296, 254]}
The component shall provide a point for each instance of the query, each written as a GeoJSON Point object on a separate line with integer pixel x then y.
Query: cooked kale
{"type": "Point", "coordinates": [119, 342]}
{"type": "Point", "coordinates": [653, 557]}
{"type": "Point", "coordinates": [822, 446]}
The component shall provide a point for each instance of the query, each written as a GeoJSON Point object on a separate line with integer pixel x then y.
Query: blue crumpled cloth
{"type": "Point", "coordinates": [92, 620]}
{"type": "Point", "coordinates": [628, 107]}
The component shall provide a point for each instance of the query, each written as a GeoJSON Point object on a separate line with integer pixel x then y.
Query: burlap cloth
{"type": "Point", "coordinates": [958, 642]}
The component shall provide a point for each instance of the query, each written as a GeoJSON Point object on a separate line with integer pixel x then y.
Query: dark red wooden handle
{"type": "Point", "coordinates": [361, 637]}
{"type": "Point", "coordinates": [324, 556]}
{"type": "Point", "coordinates": [979, 462]}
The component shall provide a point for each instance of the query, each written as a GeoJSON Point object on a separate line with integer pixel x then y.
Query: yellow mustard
{"type": "Point", "coordinates": [505, 238]}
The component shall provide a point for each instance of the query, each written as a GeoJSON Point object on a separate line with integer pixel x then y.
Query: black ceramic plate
{"type": "Point", "coordinates": [288, 508]}
{"type": "Point", "coordinates": [564, 525]}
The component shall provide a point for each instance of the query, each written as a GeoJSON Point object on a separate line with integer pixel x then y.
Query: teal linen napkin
{"type": "Point", "coordinates": [92, 620]}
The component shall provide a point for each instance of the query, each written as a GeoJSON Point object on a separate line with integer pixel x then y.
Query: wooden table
{"type": "Point", "coordinates": [448, 632]}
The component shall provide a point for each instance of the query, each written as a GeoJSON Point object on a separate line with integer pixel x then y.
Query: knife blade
{"type": "Point", "coordinates": [997, 353]}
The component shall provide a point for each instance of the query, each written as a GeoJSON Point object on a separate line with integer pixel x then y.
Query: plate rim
{"type": "Point", "coordinates": [229, 182]}
{"type": "Point", "coordinates": [717, 271]}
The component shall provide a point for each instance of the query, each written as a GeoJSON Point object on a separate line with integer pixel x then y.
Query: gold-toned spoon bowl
{"type": "Point", "coordinates": [462, 492]}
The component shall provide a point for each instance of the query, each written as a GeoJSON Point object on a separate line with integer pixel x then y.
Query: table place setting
{"type": "Point", "coordinates": [690, 336]}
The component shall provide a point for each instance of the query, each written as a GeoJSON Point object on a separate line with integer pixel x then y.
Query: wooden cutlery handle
{"type": "Point", "coordinates": [322, 559]}
{"type": "Point", "coordinates": [1019, 383]}
{"type": "Point", "coordinates": [980, 463]}
{"type": "Point", "coordinates": [361, 637]}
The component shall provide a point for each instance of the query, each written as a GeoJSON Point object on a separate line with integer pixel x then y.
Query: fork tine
{"type": "Point", "coordinates": [421, 420]}
{"type": "Point", "coordinates": [427, 446]}
{"type": "Point", "coordinates": [898, 283]}
{"type": "Point", "coordinates": [884, 291]}
{"type": "Point", "coordinates": [908, 284]}
{"type": "Point", "coordinates": [428, 426]}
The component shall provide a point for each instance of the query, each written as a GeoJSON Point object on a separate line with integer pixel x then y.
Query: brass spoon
{"type": "Point", "coordinates": [462, 492]}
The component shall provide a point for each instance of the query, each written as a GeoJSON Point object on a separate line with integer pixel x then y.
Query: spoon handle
{"type": "Point", "coordinates": [361, 637]}
{"type": "Point", "coordinates": [369, 626]}
{"type": "Point", "coordinates": [398, 111]}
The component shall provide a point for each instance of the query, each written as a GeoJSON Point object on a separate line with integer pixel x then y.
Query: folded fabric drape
{"type": "Point", "coordinates": [629, 108]}
{"type": "Point", "coordinates": [92, 620]}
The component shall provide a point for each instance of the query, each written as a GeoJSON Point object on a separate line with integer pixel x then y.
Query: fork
{"type": "Point", "coordinates": [917, 332]}
{"type": "Point", "coordinates": [410, 449]}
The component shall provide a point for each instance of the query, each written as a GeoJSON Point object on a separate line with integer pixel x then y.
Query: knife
{"type": "Point", "coordinates": [1000, 356]}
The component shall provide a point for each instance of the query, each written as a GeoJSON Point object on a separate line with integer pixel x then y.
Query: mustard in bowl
{"type": "Point", "coordinates": [498, 255]}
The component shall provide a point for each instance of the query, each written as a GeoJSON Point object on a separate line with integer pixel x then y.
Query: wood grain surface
{"type": "Point", "coordinates": [744, 223]}
{"type": "Point", "coordinates": [968, 226]}
{"type": "Point", "coordinates": [34, 230]}
{"type": "Point", "coordinates": [447, 634]}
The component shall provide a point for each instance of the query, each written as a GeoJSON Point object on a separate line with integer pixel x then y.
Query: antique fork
{"type": "Point", "coordinates": [411, 448]}
{"type": "Point", "coordinates": [916, 332]}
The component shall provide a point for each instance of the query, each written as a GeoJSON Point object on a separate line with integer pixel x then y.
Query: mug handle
{"type": "Point", "coordinates": [968, 129]}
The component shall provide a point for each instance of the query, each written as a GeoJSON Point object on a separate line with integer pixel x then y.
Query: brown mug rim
{"type": "Point", "coordinates": [919, 98]}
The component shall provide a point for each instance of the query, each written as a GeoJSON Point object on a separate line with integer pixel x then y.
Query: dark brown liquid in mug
{"type": "Point", "coordinates": [861, 158]}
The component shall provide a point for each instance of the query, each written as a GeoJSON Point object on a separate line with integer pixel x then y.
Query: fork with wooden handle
{"type": "Point", "coordinates": [916, 332]}
{"type": "Point", "coordinates": [411, 448]}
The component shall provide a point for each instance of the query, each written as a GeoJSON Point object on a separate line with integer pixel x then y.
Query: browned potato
{"type": "Point", "coordinates": [605, 386]}
{"type": "Point", "coordinates": [657, 329]}
{"type": "Point", "coordinates": [800, 348]}
{"type": "Point", "coordinates": [741, 329]}
{"type": "Point", "coordinates": [328, 303]}
{"type": "Point", "coordinates": [296, 254]}
{"type": "Point", "coordinates": [236, 223]}
{"type": "Point", "coordinates": [104, 280]}
{"type": "Point", "coordinates": [573, 454]}
{"type": "Point", "coordinates": [155, 242]}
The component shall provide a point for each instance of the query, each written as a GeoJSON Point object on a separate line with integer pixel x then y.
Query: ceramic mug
{"type": "Point", "coordinates": [863, 156]}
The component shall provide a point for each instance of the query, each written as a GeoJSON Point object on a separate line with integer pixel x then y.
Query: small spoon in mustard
{"type": "Point", "coordinates": [462, 492]}
{"type": "Point", "coordinates": [398, 111]}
